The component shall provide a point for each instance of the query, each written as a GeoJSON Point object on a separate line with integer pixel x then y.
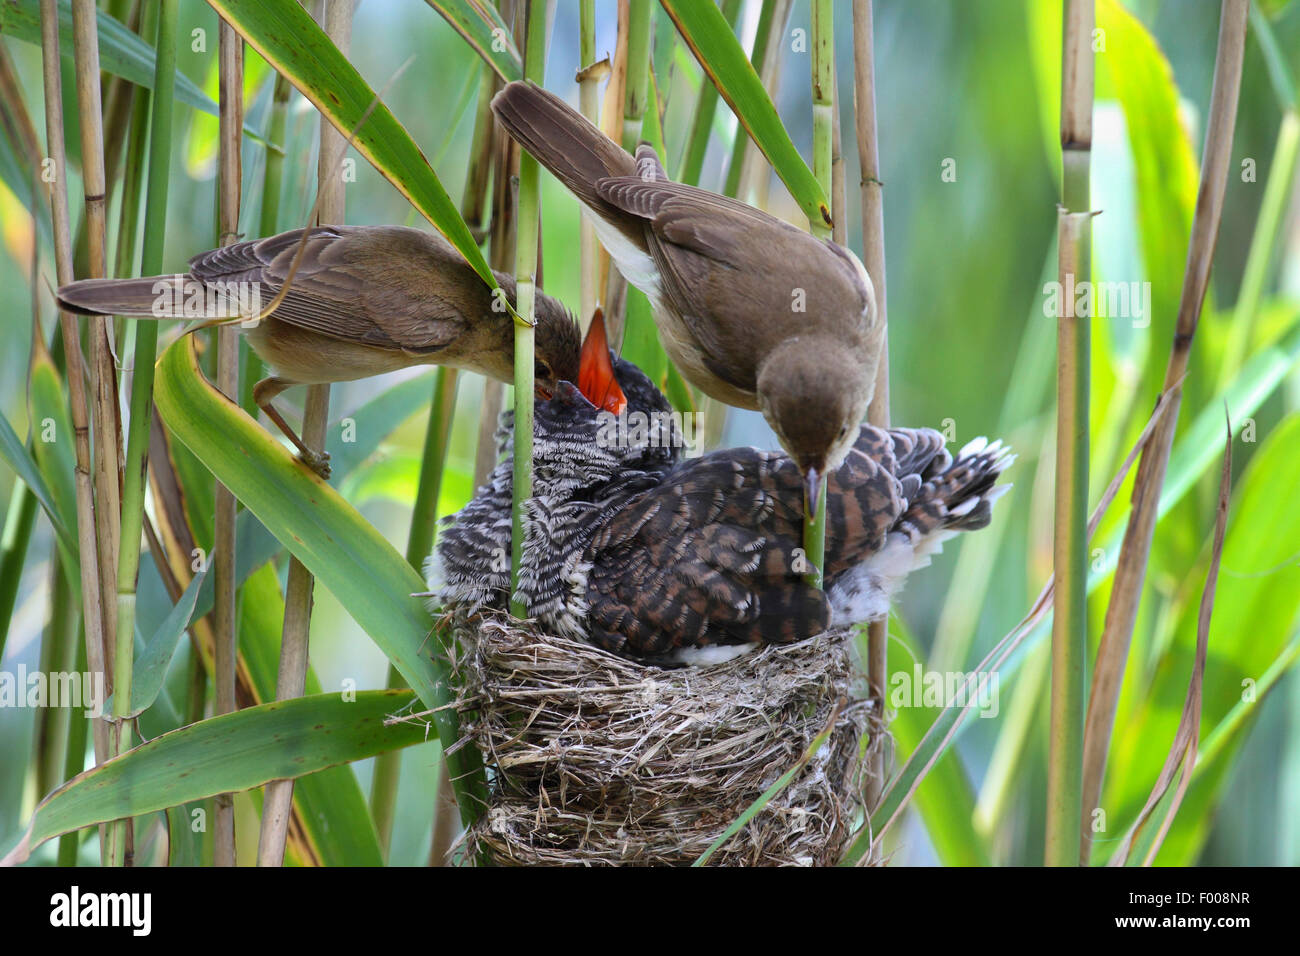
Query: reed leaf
{"type": "Point", "coordinates": [723, 60]}
{"type": "Point", "coordinates": [229, 753]}
{"type": "Point", "coordinates": [483, 29]}
{"type": "Point", "coordinates": [339, 547]}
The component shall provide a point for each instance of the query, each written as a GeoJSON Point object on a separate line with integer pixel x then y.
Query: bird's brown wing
{"type": "Point", "coordinates": [735, 273]}
{"type": "Point", "coordinates": [709, 557]}
{"type": "Point", "coordinates": [369, 285]}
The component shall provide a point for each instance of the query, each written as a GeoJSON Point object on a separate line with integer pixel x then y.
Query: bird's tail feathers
{"type": "Point", "coordinates": [961, 496]}
{"type": "Point", "coordinates": [145, 298]}
{"type": "Point", "coordinates": [561, 139]}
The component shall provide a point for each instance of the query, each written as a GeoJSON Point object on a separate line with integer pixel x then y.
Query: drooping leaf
{"type": "Point", "coordinates": [1255, 612]}
{"type": "Point", "coordinates": [723, 59]}
{"type": "Point", "coordinates": [224, 754]}
{"type": "Point", "coordinates": [336, 544]}
{"type": "Point", "coordinates": [15, 453]}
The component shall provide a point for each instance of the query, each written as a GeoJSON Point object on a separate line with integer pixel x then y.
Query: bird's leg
{"type": "Point", "coordinates": [264, 392]}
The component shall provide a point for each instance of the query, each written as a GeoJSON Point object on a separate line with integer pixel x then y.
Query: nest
{"type": "Point", "coordinates": [595, 759]}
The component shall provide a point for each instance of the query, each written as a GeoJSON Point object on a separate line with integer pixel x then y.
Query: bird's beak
{"type": "Point", "coordinates": [596, 371]}
{"type": "Point", "coordinates": [812, 485]}
{"type": "Point", "coordinates": [569, 394]}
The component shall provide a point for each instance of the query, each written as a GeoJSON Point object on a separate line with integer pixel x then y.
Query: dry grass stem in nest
{"type": "Point", "coordinates": [596, 759]}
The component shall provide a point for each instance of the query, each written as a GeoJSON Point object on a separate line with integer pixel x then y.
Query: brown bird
{"type": "Point", "coordinates": [691, 561]}
{"type": "Point", "coordinates": [754, 312]}
{"type": "Point", "coordinates": [364, 300]}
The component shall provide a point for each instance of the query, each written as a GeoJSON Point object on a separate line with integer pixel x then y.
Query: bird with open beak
{"type": "Point", "coordinates": [672, 560]}
{"type": "Point", "coordinates": [754, 312]}
{"type": "Point", "coordinates": [362, 300]}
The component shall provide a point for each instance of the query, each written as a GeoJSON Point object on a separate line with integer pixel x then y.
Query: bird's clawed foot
{"type": "Point", "coordinates": [317, 461]}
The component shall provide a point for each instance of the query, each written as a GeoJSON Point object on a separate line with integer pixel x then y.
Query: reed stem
{"type": "Point", "coordinates": [538, 16]}
{"type": "Point", "coordinates": [107, 447]}
{"type": "Point", "coordinates": [823, 97]}
{"type": "Point", "coordinates": [873, 258]}
{"type": "Point", "coordinates": [224, 623]}
{"type": "Point", "coordinates": [146, 347]}
{"type": "Point", "coordinates": [589, 104]}
{"type": "Point", "coordinates": [87, 536]}
{"type": "Point", "coordinates": [1070, 539]}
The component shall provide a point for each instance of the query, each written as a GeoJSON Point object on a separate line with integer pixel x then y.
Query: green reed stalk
{"type": "Point", "coordinates": [823, 96]}
{"type": "Point", "coordinates": [137, 447]}
{"type": "Point", "coordinates": [1070, 540]}
{"type": "Point", "coordinates": [230, 65]}
{"type": "Point", "coordinates": [589, 104]}
{"type": "Point", "coordinates": [637, 92]}
{"type": "Point", "coordinates": [537, 13]}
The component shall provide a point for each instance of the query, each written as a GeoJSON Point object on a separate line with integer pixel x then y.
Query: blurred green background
{"type": "Point", "coordinates": [971, 84]}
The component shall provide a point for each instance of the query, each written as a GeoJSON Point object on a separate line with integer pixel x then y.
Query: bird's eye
{"type": "Point", "coordinates": [541, 369]}
{"type": "Point", "coordinates": [844, 431]}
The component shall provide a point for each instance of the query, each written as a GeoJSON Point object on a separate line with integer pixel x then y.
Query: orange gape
{"type": "Point", "coordinates": [596, 372]}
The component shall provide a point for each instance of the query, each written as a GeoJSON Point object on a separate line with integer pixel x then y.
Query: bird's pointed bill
{"type": "Point", "coordinates": [812, 484]}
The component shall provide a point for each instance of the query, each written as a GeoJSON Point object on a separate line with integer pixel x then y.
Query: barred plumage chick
{"type": "Point", "coordinates": [579, 482]}
{"type": "Point", "coordinates": [653, 557]}
{"type": "Point", "coordinates": [712, 557]}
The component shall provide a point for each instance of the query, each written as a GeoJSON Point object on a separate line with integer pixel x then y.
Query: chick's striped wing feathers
{"type": "Point", "coordinates": [710, 556]}
{"type": "Point", "coordinates": [707, 557]}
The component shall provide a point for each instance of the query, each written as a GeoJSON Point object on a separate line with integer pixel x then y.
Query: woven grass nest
{"type": "Point", "coordinates": [594, 759]}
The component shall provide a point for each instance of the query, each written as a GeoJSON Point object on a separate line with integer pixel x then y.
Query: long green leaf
{"type": "Point", "coordinates": [288, 38]}
{"type": "Point", "coordinates": [337, 828]}
{"type": "Point", "coordinates": [224, 754]}
{"type": "Point", "coordinates": [707, 33]}
{"type": "Point", "coordinates": [335, 543]}
{"type": "Point", "coordinates": [483, 29]}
